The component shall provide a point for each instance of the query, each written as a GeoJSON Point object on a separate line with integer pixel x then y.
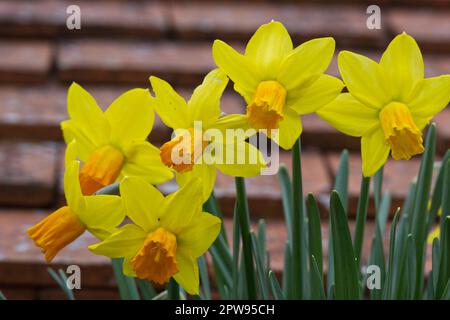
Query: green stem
{"type": "Point", "coordinates": [297, 222]}
{"type": "Point", "coordinates": [361, 216]}
{"type": "Point", "coordinates": [244, 222]}
{"type": "Point", "coordinates": [173, 290]}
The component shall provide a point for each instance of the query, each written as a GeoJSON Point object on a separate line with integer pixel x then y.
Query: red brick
{"type": "Point", "coordinates": [22, 263]}
{"type": "Point", "coordinates": [28, 62]}
{"type": "Point", "coordinates": [81, 294]}
{"type": "Point", "coordinates": [47, 18]}
{"type": "Point", "coordinates": [133, 62]}
{"type": "Point", "coordinates": [27, 173]}
{"type": "Point", "coordinates": [18, 293]}
{"type": "Point", "coordinates": [398, 176]}
{"type": "Point", "coordinates": [443, 130]}
{"type": "Point", "coordinates": [428, 26]}
{"type": "Point", "coordinates": [34, 113]}
{"type": "Point", "coordinates": [238, 21]}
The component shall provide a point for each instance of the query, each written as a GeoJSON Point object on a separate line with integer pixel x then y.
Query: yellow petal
{"type": "Point", "coordinates": [289, 130]}
{"type": "Point", "coordinates": [204, 104]}
{"type": "Point", "coordinates": [169, 105]}
{"type": "Point", "coordinates": [130, 117]}
{"type": "Point", "coordinates": [72, 190]}
{"type": "Point", "coordinates": [85, 145]}
{"type": "Point", "coordinates": [187, 277]}
{"type": "Point", "coordinates": [144, 161]}
{"type": "Point", "coordinates": [365, 79]}
{"type": "Point", "coordinates": [349, 116]}
{"type": "Point", "coordinates": [142, 202]}
{"type": "Point", "coordinates": [200, 234]}
{"type": "Point", "coordinates": [102, 212]}
{"type": "Point", "coordinates": [308, 60]}
{"type": "Point", "coordinates": [374, 152]}
{"type": "Point", "coordinates": [232, 121]}
{"type": "Point", "coordinates": [207, 175]}
{"type": "Point", "coordinates": [125, 242]}
{"type": "Point", "coordinates": [434, 234]}
{"type": "Point", "coordinates": [87, 116]}
{"type": "Point", "coordinates": [180, 206]}
{"type": "Point", "coordinates": [248, 161]}
{"type": "Point", "coordinates": [238, 68]}
{"type": "Point", "coordinates": [127, 267]}
{"type": "Point", "coordinates": [433, 96]}
{"type": "Point", "coordinates": [310, 99]}
{"type": "Point", "coordinates": [403, 62]}
{"type": "Point", "coordinates": [268, 47]}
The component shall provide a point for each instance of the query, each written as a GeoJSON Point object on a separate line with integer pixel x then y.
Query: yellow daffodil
{"type": "Point", "coordinates": [168, 234]}
{"type": "Point", "coordinates": [278, 82]}
{"type": "Point", "coordinates": [436, 232]}
{"type": "Point", "coordinates": [112, 144]}
{"type": "Point", "coordinates": [203, 108]}
{"type": "Point", "coordinates": [98, 214]}
{"type": "Point", "coordinates": [388, 104]}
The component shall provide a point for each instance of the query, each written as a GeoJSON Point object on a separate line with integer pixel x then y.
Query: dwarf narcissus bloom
{"type": "Point", "coordinates": [388, 104]}
{"type": "Point", "coordinates": [168, 234]}
{"type": "Point", "coordinates": [280, 83]}
{"type": "Point", "coordinates": [112, 144]}
{"type": "Point", "coordinates": [204, 108]}
{"type": "Point", "coordinates": [98, 214]}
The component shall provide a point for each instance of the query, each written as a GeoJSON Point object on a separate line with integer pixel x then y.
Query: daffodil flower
{"type": "Point", "coordinates": [278, 82]}
{"type": "Point", "coordinates": [168, 234]}
{"type": "Point", "coordinates": [98, 214]}
{"type": "Point", "coordinates": [204, 108]}
{"type": "Point", "coordinates": [388, 104]}
{"type": "Point", "coordinates": [112, 144]}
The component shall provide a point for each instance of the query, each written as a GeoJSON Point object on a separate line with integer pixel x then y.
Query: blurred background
{"type": "Point", "coordinates": [120, 44]}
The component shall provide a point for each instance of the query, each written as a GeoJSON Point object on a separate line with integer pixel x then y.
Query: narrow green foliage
{"type": "Point", "coordinates": [361, 216]}
{"type": "Point", "coordinates": [61, 280]}
{"type": "Point", "coordinates": [346, 272]}
{"type": "Point", "coordinates": [315, 233]}
{"type": "Point", "coordinates": [173, 290]}
{"type": "Point", "coordinates": [127, 286]}
{"type": "Point", "coordinates": [244, 221]}
{"type": "Point", "coordinates": [275, 287]}
{"type": "Point", "coordinates": [205, 286]}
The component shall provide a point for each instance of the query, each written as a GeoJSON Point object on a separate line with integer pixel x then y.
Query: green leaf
{"type": "Point", "coordinates": [146, 289]}
{"type": "Point", "coordinates": [2, 296]}
{"type": "Point", "coordinates": [127, 286]}
{"type": "Point", "coordinates": [383, 212]}
{"type": "Point", "coordinates": [444, 263]}
{"type": "Point", "coordinates": [377, 258]}
{"type": "Point", "coordinates": [286, 197]}
{"type": "Point", "coordinates": [435, 260]}
{"type": "Point", "coordinates": [203, 270]}
{"type": "Point", "coordinates": [315, 233]}
{"type": "Point", "coordinates": [436, 199]}
{"type": "Point", "coordinates": [377, 187]}
{"type": "Point", "coordinates": [173, 290]}
{"type": "Point", "coordinates": [346, 272]}
{"type": "Point", "coordinates": [275, 287]}
{"type": "Point", "coordinates": [361, 216]}
{"type": "Point", "coordinates": [212, 206]}
{"type": "Point", "coordinates": [411, 267]}
{"type": "Point", "coordinates": [420, 209]}
{"type": "Point", "coordinates": [341, 187]}
{"type": "Point", "coordinates": [261, 271]}
{"type": "Point", "coordinates": [61, 280]}
{"type": "Point", "coordinates": [236, 253]}
{"type": "Point", "coordinates": [244, 222]}
{"type": "Point", "coordinates": [317, 287]}
{"type": "Point", "coordinates": [341, 180]}
{"type": "Point", "coordinates": [287, 272]}
{"type": "Point", "coordinates": [388, 286]}
{"type": "Point", "coordinates": [446, 293]}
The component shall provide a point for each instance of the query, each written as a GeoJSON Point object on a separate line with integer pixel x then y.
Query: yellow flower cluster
{"type": "Point", "coordinates": [387, 104]}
